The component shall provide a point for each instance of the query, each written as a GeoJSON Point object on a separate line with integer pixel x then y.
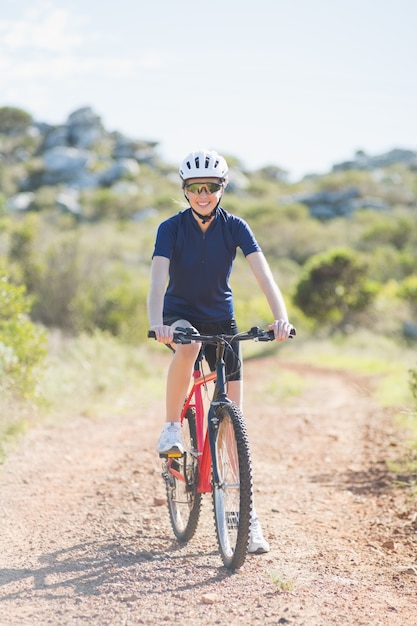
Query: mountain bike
{"type": "Point", "coordinates": [216, 457]}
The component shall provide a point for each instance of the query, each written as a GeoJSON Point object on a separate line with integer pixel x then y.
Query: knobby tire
{"type": "Point", "coordinates": [184, 503]}
{"type": "Point", "coordinates": [232, 496]}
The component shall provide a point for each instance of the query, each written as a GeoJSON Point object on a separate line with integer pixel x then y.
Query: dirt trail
{"type": "Point", "coordinates": [85, 537]}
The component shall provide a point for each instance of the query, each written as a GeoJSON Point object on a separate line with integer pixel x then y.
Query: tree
{"type": "Point", "coordinates": [13, 121]}
{"type": "Point", "coordinates": [333, 287]}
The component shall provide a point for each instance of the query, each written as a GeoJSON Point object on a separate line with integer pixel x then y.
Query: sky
{"type": "Point", "coordinates": [301, 85]}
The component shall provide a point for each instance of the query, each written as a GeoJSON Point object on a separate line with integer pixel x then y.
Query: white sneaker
{"type": "Point", "coordinates": [170, 441]}
{"type": "Point", "coordinates": [257, 543]}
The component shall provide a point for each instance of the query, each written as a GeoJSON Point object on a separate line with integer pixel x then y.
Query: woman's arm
{"type": "Point", "coordinates": [260, 268]}
{"type": "Point", "coordinates": [159, 279]}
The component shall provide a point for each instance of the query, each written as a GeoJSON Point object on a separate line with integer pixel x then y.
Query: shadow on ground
{"type": "Point", "coordinates": [98, 568]}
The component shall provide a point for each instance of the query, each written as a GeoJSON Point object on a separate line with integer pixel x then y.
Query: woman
{"type": "Point", "coordinates": [191, 266]}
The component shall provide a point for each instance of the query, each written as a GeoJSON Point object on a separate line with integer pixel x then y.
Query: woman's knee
{"type": "Point", "coordinates": [186, 351]}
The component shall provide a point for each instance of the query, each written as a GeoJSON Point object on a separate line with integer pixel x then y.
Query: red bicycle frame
{"type": "Point", "coordinates": [195, 400]}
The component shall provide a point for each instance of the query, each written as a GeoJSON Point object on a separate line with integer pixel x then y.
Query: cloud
{"type": "Point", "coordinates": [50, 43]}
{"type": "Point", "coordinates": [65, 67]}
{"type": "Point", "coordinates": [51, 30]}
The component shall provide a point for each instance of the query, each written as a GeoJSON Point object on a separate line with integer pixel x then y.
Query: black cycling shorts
{"type": "Point", "coordinates": [232, 356]}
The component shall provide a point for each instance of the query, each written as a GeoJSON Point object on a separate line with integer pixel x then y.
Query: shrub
{"type": "Point", "coordinates": [113, 301]}
{"type": "Point", "coordinates": [386, 262]}
{"type": "Point", "coordinates": [22, 343]}
{"type": "Point", "coordinates": [408, 291]}
{"type": "Point", "coordinates": [413, 383]}
{"type": "Point", "coordinates": [333, 287]}
{"type": "Point", "coordinates": [391, 229]}
{"type": "Point", "coordinates": [2, 203]}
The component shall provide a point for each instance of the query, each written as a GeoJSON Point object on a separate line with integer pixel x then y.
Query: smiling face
{"type": "Point", "coordinates": [203, 194]}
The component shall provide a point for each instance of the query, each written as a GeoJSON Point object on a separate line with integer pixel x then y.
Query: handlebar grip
{"type": "Point", "coordinates": [179, 337]}
{"type": "Point", "coordinates": [268, 335]}
{"type": "Point", "coordinates": [292, 334]}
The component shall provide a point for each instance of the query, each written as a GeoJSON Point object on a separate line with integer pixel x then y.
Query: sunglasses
{"type": "Point", "coordinates": [209, 187]}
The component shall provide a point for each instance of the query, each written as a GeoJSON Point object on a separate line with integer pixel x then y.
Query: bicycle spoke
{"type": "Point", "coordinates": [181, 476]}
{"type": "Point", "coordinates": [232, 496]}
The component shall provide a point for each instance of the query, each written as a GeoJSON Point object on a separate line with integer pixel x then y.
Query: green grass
{"type": "Point", "coordinates": [386, 361]}
{"type": "Point", "coordinates": [391, 367]}
{"type": "Point", "coordinates": [282, 584]}
{"type": "Point", "coordinates": [92, 375]}
{"type": "Point", "coordinates": [9, 436]}
{"type": "Point", "coordinates": [104, 374]}
{"type": "Point", "coordinates": [406, 464]}
{"type": "Point", "coordinates": [282, 387]}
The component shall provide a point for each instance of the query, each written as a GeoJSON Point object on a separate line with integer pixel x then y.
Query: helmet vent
{"type": "Point", "coordinates": [203, 161]}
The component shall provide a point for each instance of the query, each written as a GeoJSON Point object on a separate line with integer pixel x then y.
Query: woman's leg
{"type": "Point", "coordinates": [257, 542]}
{"type": "Point", "coordinates": [235, 387]}
{"type": "Point", "coordinates": [179, 374]}
{"type": "Point", "coordinates": [178, 379]}
{"type": "Point", "coordinates": [235, 392]}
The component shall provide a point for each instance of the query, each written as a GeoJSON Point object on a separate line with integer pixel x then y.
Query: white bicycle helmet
{"type": "Point", "coordinates": [203, 163]}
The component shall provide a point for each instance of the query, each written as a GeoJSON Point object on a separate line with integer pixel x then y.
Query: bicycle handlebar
{"type": "Point", "coordinates": [187, 335]}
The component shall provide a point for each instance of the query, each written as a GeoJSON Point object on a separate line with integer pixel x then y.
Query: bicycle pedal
{"type": "Point", "coordinates": [170, 455]}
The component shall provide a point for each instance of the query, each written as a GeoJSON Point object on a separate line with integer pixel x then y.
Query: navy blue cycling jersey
{"type": "Point", "coordinates": [201, 263]}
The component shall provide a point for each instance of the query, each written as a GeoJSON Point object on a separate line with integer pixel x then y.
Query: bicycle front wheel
{"type": "Point", "coordinates": [181, 477]}
{"type": "Point", "coordinates": [232, 494]}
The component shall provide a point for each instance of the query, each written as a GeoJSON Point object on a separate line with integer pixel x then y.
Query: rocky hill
{"type": "Point", "coordinates": [80, 154]}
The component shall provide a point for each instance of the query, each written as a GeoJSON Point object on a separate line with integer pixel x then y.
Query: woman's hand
{"type": "Point", "coordinates": [163, 333]}
{"type": "Point", "coordinates": [281, 329]}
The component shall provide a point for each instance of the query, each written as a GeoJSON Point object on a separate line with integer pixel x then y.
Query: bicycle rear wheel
{"type": "Point", "coordinates": [232, 495]}
{"type": "Point", "coordinates": [181, 477]}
